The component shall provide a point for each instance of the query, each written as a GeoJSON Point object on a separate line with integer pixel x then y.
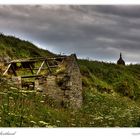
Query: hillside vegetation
{"type": "Point", "coordinates": [109, 78]}
{"type": "Point", "coordinates": [111, 96]}
{"type": "Point", "coordinates": [111, 93]}
{"type": "Point", "coordinates": [16, 48]}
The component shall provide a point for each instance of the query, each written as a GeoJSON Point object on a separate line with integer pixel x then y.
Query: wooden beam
{"type": "Point", "coordinates": [53, 66]}
{"type": "Point", "coordinates": [37, 68]}
{"type": "Point", "coordinates": [48, 66]}
{"type": "Point", "coordinates": [7, 69]}
{"type": "Point", "coordinates": [40, 67]}
{"type": "Point", "coordinates": [37, 59]}
{"type": "Point", "coordinates": [13, 69]}
{"type": "Point", "coordinates": [31, 69]}
{"type": "Point", "coordinates": [31, 76]}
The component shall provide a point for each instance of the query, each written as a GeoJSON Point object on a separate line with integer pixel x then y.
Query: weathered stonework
{"type": "Point", "coordinates": [17, 81]}
{"type": "Point", "coordinates": [63, 88]}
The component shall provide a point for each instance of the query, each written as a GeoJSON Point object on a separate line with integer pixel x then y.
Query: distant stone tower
{"type": "Point", "coordinates": [120, 61]}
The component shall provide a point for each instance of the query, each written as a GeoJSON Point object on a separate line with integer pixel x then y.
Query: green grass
{"type": "Point", "coordinates": [111, 95]}
{"type": "Point", "coordinates": [30, 110]}
{"type": "Point", "coordinates": [105, 102]}
{"type": "Point", "coordinates": [15, 48]}
{"type": "Point", "coordinates": [123, 79]}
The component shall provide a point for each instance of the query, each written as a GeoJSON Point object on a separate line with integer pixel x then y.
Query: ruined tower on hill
{"type": "Point", "coordinates": [121, 61]}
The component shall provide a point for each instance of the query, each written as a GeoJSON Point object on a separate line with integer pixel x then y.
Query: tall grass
{"type": "Point", "coordinates": [19, 108]}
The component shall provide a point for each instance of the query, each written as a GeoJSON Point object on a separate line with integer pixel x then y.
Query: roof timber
{"type": "Point", "coordinates": [40, 67]}
{"type": "Point", "coordinates": [7, 69]}
{"type": "Point", "coordinates": [34, 60]}
{"type": "Point", "coordinates": [37, 59]}
{"type": "Point", "coordinates": [31, 76]}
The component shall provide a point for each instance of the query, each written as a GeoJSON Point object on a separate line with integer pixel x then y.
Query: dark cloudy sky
{"type": "Point", "coordinates": [95, 32]}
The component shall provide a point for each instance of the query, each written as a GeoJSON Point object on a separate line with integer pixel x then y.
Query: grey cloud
{"type": "Point", "coordinates": [97, 32]}
{"type": "Point", "coordinates": [119, 10]}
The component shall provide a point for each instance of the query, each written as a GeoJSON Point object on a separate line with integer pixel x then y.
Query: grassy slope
{"type": "Point", "coordinates": [105, 104]}
{"type": "Point", "coordinates": [16, 48]}
{"type": "Point", "coordinates": [107, 78]}
{"type": "Point", "coordinates": [111, 95]}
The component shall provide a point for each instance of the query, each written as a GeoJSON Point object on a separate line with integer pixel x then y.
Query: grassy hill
{"type": "Point", "coordinates": [111, 96]}
{"type": "Point", "coordinates": [16, 48]}
{"type": "Point", "coordinates": [109, 78]}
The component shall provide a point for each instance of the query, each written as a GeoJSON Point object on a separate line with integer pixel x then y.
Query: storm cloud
{"type": "Point", "coordinates": [90, 31]}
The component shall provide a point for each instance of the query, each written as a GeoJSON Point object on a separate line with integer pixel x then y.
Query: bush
{"type": "Point", "coordinates": [125, 89]}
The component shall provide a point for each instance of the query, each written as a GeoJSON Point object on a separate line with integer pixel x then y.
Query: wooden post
{"type": "Point", "coordinates": [48, 66]}
{"type": "Point", "coordinates": [13, 70]}
{"type": "Point", "coordinates": [31, 69]}
{"type": "Point", "coordinates": [40, 67]}
{"type": "Point", "coordinates": [7, 69]}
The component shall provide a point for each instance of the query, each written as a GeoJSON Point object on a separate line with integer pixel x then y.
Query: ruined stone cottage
{"type": "Point", "coordinates": [59, 78]}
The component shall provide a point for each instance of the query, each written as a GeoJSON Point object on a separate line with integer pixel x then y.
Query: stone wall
{"type": "Point", "coordinates": [65, 89]}
{"type": "Point", "coordinates": [74, 92]}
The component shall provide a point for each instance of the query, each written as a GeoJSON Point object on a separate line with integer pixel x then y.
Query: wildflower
{"type": "Point", "coordinates": [73, 124]}
{"type": "Point", "coordinates": [41, 101]}
{"type": "Point", "coordinates": [11, 114]}
{"type": "Point", "coordinates": [13, 88]}
{"type": "Point", "coordinates": [11, 98]}
{"type": "Point", "coordinates": [43, 95]}
{"type": "Point", "coordinates": [58, 121]}
{"type": "Point", "coordinates": [43, 123]}
{"type": "Point", "coordinates": [24, 94]}
{"type": "Point", "coordinates": [98, 118]}
{"type": "Point", "coordinates": [2, 93]}
{"type": "Point", "coordinates": [33, 122]}
{"type": "Point", "coordinates": [109, 118]}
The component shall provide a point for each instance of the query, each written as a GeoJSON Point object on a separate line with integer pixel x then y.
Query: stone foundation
{"type": "Point", "coordinates": [65, 90]}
